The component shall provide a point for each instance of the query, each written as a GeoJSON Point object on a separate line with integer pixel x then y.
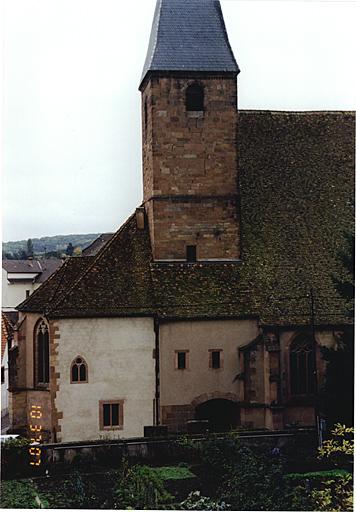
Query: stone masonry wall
{"type": "Point", "coordinates": [190, 168]}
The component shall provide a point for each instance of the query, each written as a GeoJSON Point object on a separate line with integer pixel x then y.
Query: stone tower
{"type": "Point", "coordinates": [189, 114]}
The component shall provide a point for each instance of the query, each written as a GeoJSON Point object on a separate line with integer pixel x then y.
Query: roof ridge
{"type": "Point", "coordinates": [95, 258]}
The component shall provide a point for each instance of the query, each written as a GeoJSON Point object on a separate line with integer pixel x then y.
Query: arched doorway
{"type": "Point", "coordinates": [223, 415]}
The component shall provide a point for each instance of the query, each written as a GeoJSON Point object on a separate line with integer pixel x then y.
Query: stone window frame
{"type": "Point", "coordinates": [120, 402]}
{"type": "Point", "coordinates": [74, 362]}
{"type": "Point", "coordinates": [291, 350]}
{"type": "Point", "coordinates": [37, 383]}
{"type": "Point", "coordinates": [221, 352]}
{"type": "Point", "coordinates": [186, 352]}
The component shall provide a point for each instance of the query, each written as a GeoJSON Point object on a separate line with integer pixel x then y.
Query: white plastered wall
{"type": "Point", "coordinates": [119, 355]}
{"type": "Point", "coordinates": [14, 293]}
{"type": "Point", "coordinates": [179, 387]}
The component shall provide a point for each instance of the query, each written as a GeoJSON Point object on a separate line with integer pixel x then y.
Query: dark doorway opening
{"type": "Point", "coordinates": [223, 415]}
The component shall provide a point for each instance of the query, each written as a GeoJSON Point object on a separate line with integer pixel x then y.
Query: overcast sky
{"type": "Point", "coordinates": [71, 106]}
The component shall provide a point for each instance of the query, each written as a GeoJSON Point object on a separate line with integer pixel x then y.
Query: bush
{"type": "Point", "coordinates": [140, 487]}
{"type": "Point", "coordinates": [197, 502]}
{"type": "Point", "coordinates": [245, 478]}
{"type": "Point", "coordinates": [330, 495]}
{"type": "Point", "coordinates": [19, 494]}
{"type": "Point", "coordinates": [15, 457]}
{"type": "Point", "coordinates": [339, 448]}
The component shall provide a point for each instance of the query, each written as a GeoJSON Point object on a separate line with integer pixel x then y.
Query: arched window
{"type": "Point", "coordinates": [79, 370]}
{"type": "Point", "coordinates": [42, 353]}
{"type": "Point", "coordinates": [194, 99]}
{"type": "Point", "coordinates": [302, 376]}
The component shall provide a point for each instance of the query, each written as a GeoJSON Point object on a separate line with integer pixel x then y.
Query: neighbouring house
{"type": "Point", "coordinates": [20, 278]}
{"type": "Point", "coordinates": [97, 244]}
{"type": "Point", "coordinates": [212, 301]}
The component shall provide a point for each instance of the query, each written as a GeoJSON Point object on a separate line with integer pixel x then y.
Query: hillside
{"type": "Point", "coordinates": [49, 243]}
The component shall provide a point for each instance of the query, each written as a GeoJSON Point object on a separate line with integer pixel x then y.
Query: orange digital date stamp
{"type": "Point", "coordinates": [35, 435]}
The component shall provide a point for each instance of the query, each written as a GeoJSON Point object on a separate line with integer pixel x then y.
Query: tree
{"type": "Point", "coordinates": [70, 249]}
{"type": "Point", "coordinates": [77, 251]}
{"type": "Point", "coordinates": [29, 248]}
{"type": "Point", "coordinates": [337, 397]}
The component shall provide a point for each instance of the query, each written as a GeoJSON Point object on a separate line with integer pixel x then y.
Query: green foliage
{"type": "Point", "coordinates": [48, 244]}
{"type": "Point", "coordinates": [327, 490]}
{"type": "Point", "coordinates": [173, 472]}
{"type": "Point", "coordinates": [339, 448]}
{"type": "Point", "coordinates": [29, 248]}
{"type": "Point", "coordinates": [197, 502]}
{"type": "Point", "coordinates": [140, 487]}
{"type": "Point", "coordinates": [15, 458]}
{"type": "Point", "coordinates": [245, 478]}
{"type": "Point", "coordinates": [19, 494]}
{"type": "Point", "coordinates": [317, 475]}
{"type": "Point", "coordinates": [69, 249]}
{"type": "Point", "coordinates": [329, 495]}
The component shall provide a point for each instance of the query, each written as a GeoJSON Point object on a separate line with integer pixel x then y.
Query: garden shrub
{"type": "Point", "coordinates": [329, 495]}
{"type": "Point", "coordinates": [15, 458]}
{"type": "Point", "coordinates": [245, 478]}
{"type": "Point", "coordinates": [339, 448]}
{"type": "Point", "coordinates": [195, 501]}
{"type": "Point", "coordinates": [140, 487]}
{"type": "Point", "coordinates": [19, 494]}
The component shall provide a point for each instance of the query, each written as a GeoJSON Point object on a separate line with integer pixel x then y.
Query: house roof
{"type": "Point", "coordinates": [189, 35]}
{"type": "Point", "coordinates": [43, 268]}
{"type": "Point", "coordinates": [93, 248]}
{"type": "Point", "coordinates": [22, 266]}
{"type": "Point", "coordinates": [296, 181]}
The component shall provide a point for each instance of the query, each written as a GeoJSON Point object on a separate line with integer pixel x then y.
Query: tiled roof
{"type": "Point", "coordinates": [97, 244]}
{"type": "Point", "coordinates": [189, 35]}
{"type": "Point", "coordinates": [116, 281]}
{"type": "Point", "coordinates": [48, 267]}
{"type": "Point", "coordinates": [22, 266]}
{"type": "Point", "coordinates": [44, 268]}
{"type": "Point", "coordinates": [6, 331]}
{"type": "Point", "coordinates": [51, 290]}
{"type": "Point", "coordinates": [296, 181]}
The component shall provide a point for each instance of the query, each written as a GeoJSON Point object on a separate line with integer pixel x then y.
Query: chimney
{"type": "Point", "coordinates": [140, 217]}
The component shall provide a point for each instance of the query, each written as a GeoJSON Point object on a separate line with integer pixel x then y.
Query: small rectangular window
{"type": "Point", "coordinates": [215, 359]}
{"type": "Point", "coordinates": [191, 253]}
{"type": "Point", "coordinates": [28, 292]}
{"type": "Point", "coordinates": [2, 375]}
{"type": "Point", "coordinates": [111, 414]}
{"type": "Point", "coordinates": [181, 359]}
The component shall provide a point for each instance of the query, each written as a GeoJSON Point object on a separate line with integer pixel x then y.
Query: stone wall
{"type": "Point", "coordinates": [190, 168]}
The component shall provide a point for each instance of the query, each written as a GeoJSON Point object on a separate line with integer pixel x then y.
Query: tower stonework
{"type": "Point", "coordinates": [189, 120]}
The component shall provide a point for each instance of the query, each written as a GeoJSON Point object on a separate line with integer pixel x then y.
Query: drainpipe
{"type": "Point", "coordinates": [315, 347]}
{"type": "Point", "coordinates": [156, 329]}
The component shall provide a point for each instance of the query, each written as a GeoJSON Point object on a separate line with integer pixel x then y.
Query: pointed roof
{"type": "Point", "coordinates": [189, 35]}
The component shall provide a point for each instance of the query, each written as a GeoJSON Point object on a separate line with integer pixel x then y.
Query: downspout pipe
{"type": "Point", "coordinates": [157, 386]}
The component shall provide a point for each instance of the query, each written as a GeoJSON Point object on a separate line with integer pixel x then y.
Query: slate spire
{"type": "Point", "coordinates": [189, 35]}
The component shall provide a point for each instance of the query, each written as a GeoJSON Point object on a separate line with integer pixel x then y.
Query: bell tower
{"type": "Point", "coordinates": [189, 118]}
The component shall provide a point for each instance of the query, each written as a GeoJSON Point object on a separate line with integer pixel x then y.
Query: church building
{"type": "Point", "coordinates": [213, 299]}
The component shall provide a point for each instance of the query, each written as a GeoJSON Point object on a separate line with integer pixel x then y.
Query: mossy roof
{"type": "Point", "coordinates": [297, 195]}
